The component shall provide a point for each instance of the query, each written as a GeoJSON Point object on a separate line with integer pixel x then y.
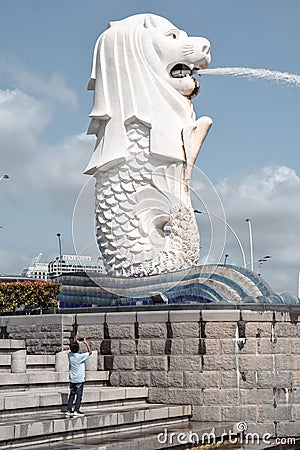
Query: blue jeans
{"type": "Point", "coordinates": [76, 390]}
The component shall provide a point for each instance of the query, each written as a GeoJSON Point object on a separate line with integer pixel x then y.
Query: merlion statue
{"type": "Point", "coordinates": [147, 142]}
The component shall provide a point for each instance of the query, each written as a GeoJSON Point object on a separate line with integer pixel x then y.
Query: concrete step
{"type": "Point", "coordinates": [44, 428]}
{"type": "Point", "coordinates": [8, 346]}
{"type": "Point", "coordinates": [37, 401]}
{"type": "Point", "coordinates": [166, 436]}
{"type": "Point", "coordinates": [33, 362]}
{"type": "Point", "coordinates": [47, 379]}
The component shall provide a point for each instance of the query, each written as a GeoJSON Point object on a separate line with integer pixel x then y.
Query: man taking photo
{"type": "Point", "coordinates": [76, 376]}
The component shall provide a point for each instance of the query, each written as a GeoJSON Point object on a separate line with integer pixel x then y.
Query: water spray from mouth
{"type": "Point", "coordinates": [271, 75]}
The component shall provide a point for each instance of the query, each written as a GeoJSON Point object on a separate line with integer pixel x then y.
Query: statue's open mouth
{"type": "Point", "coordinates": [180, 71]}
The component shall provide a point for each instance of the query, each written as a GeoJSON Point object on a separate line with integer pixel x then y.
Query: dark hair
{"type": "Point", "coordinates": [74, 347]}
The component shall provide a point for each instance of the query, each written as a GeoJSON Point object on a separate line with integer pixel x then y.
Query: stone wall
{"type": "Point", "coordinates": [231, 365]}
{"type": "Point", "coordinates": [43, 334]}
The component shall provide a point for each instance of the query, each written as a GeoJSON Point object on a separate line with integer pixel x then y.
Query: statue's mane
{"type": "Point", "coordinates": [128, 88]}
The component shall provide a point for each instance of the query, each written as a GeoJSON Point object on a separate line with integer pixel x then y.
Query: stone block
{"type": "Point", "coordinates": [191, 346]}
{"type": "Point", "coordinates": [275, 380]}
{"type": "Point", "coordinates": [286, 396]}
{"type": "Point", "coordinates": [158, 346]}
{"type": "Point", "coordinates": [91, 332]}
{"type": "Point", "coordinates": [282, 362]}
{"type": "Point", "coordinates": [92, 362]}
{"type": "Point", "coordinates": [152, 330]}
{"type": "Point", "coordinates": [230, 379]}
{"type": "Point", "coordinates": [217, 330]}
{"type": "Point", "coordinates": [134, 378]}
{"type": "Point", "coordinates": [175, 379]}
{"type": "Point", "coordinates": [158, 395]}
{"type": "Point", "coordinates": [271, 414]}
{"type": "Point", "coordinates": [151, 362]}
{"type": "Point", "coordinates": [197, 379]}
{"type": "Point", "coordinates": [257, 316]}
{"type": "Point", "coordinates": [18, 361]}
{"type": "Point", "coordinates": [128, 347]}
{"type": "Point", "coordinates": [114, 378]}
{"type": "Point", "coordinates": [110, 347]}
{"type": "Point", "coordinates": [121, 331]}
{"type": "Point", "coordinates": [185, 363]}
{"type": "Point", "coordinates": [157, 413]}
{"type": "Point", "coordinates": [220, 316]}
{"type": "Point", "coordinates": [31, 429]}
{"type": "Point", "coordinates": [7, 433]}
{"type": "Point", "coordinates": [206, 413]}
{"type": "Point", "coordinates": [280, 345]}
{"type": "Point", "coordinates": [18, 402]}
{"type": "Point", "coordinates": [295, 346]}
{"type": "Point", "coordinates": [112, 394]}
{"type": "Point", "coordinates": [95, 319]}
{"type": "Point", "coordinates": [217, 397]}
{"type": "Point", "coordinates": [224, 362]}
{"type": "Point", "coordinates": [247, 379]}
{"type": "Point", "coordinates": [265, 413]}
{"type": "Point", "coordinates": [288, 430]}
{"type": "Point", "coordinates": [152, 317]}
{"type": "Point", "coordinates": [143, 347]}
{"type": "Point", "coordinates": [256, 362]}
{"type": "Point", "coordinates": [295, 375]}
{"type": "Point", "coordinates": [212, 346]}
{"type": "Point", "coordinates": [61, 361]}
{"type": "Point", "coordinates": [136, 392]}
{"type": "Point", "coordinates": [240, 346]}
{"type": "Point", "coordinates": [296, 412]}
{"type": "Point", "coordinates": [287, 329]}
{"type": "Point", "coordinates": [185, 330]}
{"type": "Point", "coordinates": [57, 398]}
{"type": "Point", "coordinates": [124, 362]}
{"type": "Point", "coordinates": [121, 317]}
{"type": "Point", "coordinates": [166, 379]}
{"type": "Point", "coordinates": [176, 346]}
{"type": "Point", "coordinates": [184, 316]}
{"type": "Point", "coordinates": [185, 396]}
{"type": "Point", "coordinates": [258, 329]}
{"type": "Point", "coordinates": [238, 413]}
{"type": "Point", "coordinates": [264, 430]}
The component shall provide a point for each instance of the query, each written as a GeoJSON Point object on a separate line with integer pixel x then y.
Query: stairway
{"type": "Point", "coordinates": [33, 405]}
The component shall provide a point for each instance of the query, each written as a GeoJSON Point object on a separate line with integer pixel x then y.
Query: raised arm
{"type": "Point", "coordinates": [87, 346]}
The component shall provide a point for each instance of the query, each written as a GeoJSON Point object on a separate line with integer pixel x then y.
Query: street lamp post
{"type": "Point", "coordinates": [251, 244]}
{"type": "Point", "coordinates": [261, 261]}
{"type": "Point", "coordinates": [59, 245]}
{"type": "Point", "coordinates": [225, 259]}
{"type": "Point", "coordinates": [232, 231]}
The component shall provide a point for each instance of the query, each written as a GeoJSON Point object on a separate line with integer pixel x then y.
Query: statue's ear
{"type": "Point", "coordinates": [149, 21]}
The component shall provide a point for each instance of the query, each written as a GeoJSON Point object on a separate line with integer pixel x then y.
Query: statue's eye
{"type": "Point", "coordinates": [172, 34]}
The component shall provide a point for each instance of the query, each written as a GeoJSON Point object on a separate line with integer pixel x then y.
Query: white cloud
{"type": "Point", "coordinates": [53, 90]}
{"type": "Point", "coordinates": [270, 198]}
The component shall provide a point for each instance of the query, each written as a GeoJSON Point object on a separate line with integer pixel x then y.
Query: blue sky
{"type": "Point", "coordinates": [251, 154]}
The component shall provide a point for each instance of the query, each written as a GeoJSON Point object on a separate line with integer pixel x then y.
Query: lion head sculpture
{"type": "Point", "coordinates": [142, 71]}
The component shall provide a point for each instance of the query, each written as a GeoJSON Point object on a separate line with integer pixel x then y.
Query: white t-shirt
{"type": "Point", "coordinates": [77, 366]}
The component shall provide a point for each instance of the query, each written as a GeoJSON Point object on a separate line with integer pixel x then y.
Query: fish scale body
{"type": "Point", "coordinates": [134, 201]}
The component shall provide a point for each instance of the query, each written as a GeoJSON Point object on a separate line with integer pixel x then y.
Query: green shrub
{"type": "Point", "coordinates": [27, 294]}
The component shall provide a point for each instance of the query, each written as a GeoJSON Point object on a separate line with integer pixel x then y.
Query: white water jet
{"type": "Point", "coordinates": [271, 75]}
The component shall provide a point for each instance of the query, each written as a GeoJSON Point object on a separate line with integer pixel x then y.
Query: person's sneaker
{"type": "Point", "coordinates": [69, 413]}
{"type": "Point", "coordinates": [78, 414]}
